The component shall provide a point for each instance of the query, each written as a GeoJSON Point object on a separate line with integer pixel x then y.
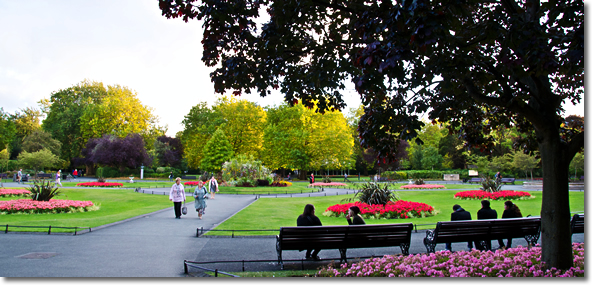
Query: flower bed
{"type": "Point", "coordinates": [326, 184]}
{"type": "Point", "coordinates": [281, 183]}
{"type": "Point", "coordinates": [192, 183]}
{"type": "Point", "coordinates": [38, 207]}
{"type": "Point", "coordinates": [513, 262]}
{"type": "Point", "coordinates": [14, 192]}
{"type": "Point", "coordinates": [100, 184]}
{"type": "Point", "coordinates": [394, 210]}
{"type": "Point", "coordinates": [501, 195]}
{"type": "Point", "coordinates": [423, 186]}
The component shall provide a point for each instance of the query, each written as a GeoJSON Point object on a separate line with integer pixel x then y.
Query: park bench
{"type": "Point", "coordinates": [343, 237]}
{"type": "Point", "coordinates": [3, 176]}
{"type": "Point", "coordinates": [483, 230]}
{"type": "Point", "coordinates": [44, 175]}
{"type": "Point", "coordinates": [475, 180]}
{"type": "Point", "coordinates": [188, 177]}
{"type": "Point", "coordinates": [508, 180]}
{"type": "Point", "coordinates": [577, 224]}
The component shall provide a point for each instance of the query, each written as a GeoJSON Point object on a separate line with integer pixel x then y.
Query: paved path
{"type": "Point", "coordinates": [156, 244]}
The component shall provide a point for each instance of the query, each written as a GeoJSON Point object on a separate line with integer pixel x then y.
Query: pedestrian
{"type": "Point", "coordinates": [311, 177]}
{"type": "Point", "coordinates": [58, 178]}
{"type": "Point", "coordinates": [354, 213]}
{"type": "Point", "coordinates": [498, 177]}
{"type": "Point", "coordinates": [510, 211]}
{"type": "Point", "coordinates": [75, 173]}
{"type": "Point", "coordinates": [459, 214]}
{"type": "Point", "coordinates": [200, 196]}
{"type": "Point", "coordinates": [307, 219]}
{"type": "Point", "coordinates": [171, 176]}
{"type": "Point", "coordinates": [19, 175]}
{"type": "Point", "coordinates": [345, 180]}
{"type": "Point", "coordinates": [213, 187]}
{"type": "Point", "coordinates": [485, 213]}
{"type": "Point", "coordinates": [177, 195]}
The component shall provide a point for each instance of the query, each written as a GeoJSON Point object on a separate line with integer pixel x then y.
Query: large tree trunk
{"type": "Point", "coordinates": [556, 239]}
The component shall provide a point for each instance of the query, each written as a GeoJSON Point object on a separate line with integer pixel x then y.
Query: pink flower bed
{"type": "Point", "coordinates": [393, 210]}
{"type": "Point", "coordinates": [423, 186]}
{"type": "Point", "coordinates": [501, 195]}
{"type": "Point", "coordinates": [327, 184]}
{"type": "Point", "coordinates": [192, 183]}
{"type": "Point", "coordinates": [513, 262]}
{"type": "Point", "coordinates": [52, 206]}
{"type": "Point", "coordinates": [13, 192]}
{"type": "Point", "coordinates": [100, 184]}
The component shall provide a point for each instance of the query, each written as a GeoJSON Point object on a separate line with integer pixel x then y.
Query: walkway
{"type": "Point", "coordinates": [156, 244]}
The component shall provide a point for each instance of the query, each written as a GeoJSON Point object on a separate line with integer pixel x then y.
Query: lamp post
{"type": "Point", "coordinates": [142, 170]}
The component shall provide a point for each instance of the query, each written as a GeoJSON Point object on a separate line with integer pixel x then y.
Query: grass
{"type": "Point", "coordinates": [115, 205]}
{"type": "Point", "coordinates": [283, 212]}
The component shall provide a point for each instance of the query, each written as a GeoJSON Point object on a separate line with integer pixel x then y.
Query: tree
{"type": "Point", "coordinates": [39, 140]}
{"type": "Point", "coordinates": [42, 159]}
{"type": "Point", "coordinates": [7, 129]}
{"type": "Point", "coordinates": [25, 123]}
{"type": "Point", "coordinates": [4, 157]}
{"type": "Point", "coordinates": [216, 151]}
{"type": "Point", "coordinates": [199, 125]}
{"type": "Point", "coordinates": [577, 163]}
{"type": "Point", "coordinates": [119, 152]}
{"type": "Point", "coordinates": [63, 112]}
{"type": "Point", "coordinates": [169, 151]}
{"type": "Point", "coordinates": [431, 158]}
{"type": "Point", "coordinates": [525, 163]}
{"type": "Point", "coordinates": [501, 163]}
{"type": "Point", "coordinates": [475, 64]}
{"type": "Point", "coordinates": [244, 124]}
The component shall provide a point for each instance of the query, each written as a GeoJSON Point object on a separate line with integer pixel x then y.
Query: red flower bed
{"type": "Point", "coordinates": [52, 206]}
{"type": "Point", "coordinates": [394, 210]}
{"type": "Point", "coordinates": [501, 195]}
{"type": "Point", "coordinates": [192, 183]}
{"type": "Point", "coordinates": [423, 186]}
{"type": "Point", "coordinates": [13, 192]}
{"type": "Point", "coordinates": [327, 184]}
{"type": "Point", "coordinates": [100, 184]}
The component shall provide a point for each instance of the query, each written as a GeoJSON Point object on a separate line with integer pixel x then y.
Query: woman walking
{"type": "Point", "coordinates": [177, 195]}
{"type": "Point", "coordinates": [200, 196]}
{"type": "Point", "coordinates": [213, 186]}
{"type": "Point", "coordinates": [58, 178]}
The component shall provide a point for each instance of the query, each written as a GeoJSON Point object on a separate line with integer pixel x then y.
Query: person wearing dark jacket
{"type": "Point", "coordinates": [485, 213]}
{"type": "Point", "coordinates": [459, 214]}
{"type": "Point", "coordinates": [354, 213]}
{"type": "Point", "coordinates": [510, 211]}
{"type": "Point", "coordinates": [308, 219]}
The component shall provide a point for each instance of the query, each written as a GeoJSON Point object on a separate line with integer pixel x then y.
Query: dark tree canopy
{"type": "Point", "coordinates": [169, 151]}
{"type": "Point", "coordinates": [116, 152]}
{"type": "Point", "coordinates": [474, 64]}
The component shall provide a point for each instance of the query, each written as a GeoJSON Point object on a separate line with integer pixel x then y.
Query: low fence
{"type": "Point", "coordinates": [76, 229]}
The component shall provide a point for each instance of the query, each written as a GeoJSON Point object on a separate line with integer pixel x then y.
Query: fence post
{"type": "Point", "coordinates": [6, 231]}
{"type": "Point", "coordinates": [185, 267]}
{"type": "Point", "coordinates": [216, 271]}
{"type": "Point", "coordinates": [50, 230]}
{"type": "Point", "coordinates": [243, 266]}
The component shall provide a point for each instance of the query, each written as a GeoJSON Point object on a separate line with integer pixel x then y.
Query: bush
{"type": "Point", "coordinates": [42, 190]}
{"type": "Point", "coordinates": [262, 182]}
{"type": "Point", "coordinates": [160, 170]}
{"type": "Point", "coordinates": [372, 193]}
{"type": "Point", "coordinates": [419, 181]}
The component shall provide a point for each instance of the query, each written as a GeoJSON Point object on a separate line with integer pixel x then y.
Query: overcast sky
{"type": "Point", "coordinates": [46, 46]}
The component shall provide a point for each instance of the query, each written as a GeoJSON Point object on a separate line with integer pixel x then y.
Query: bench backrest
{"type": "Point", "coordinates": [460, 231]}
{"type": "Point", "coordinates": [577, 224]}
{"type": "Point", "coordinates": [508, 179]}
{"type": "Point", "coordinates": [333, 237]}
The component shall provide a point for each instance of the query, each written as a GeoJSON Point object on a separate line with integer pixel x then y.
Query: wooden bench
{"type": "Point", "coordinates": [3, 176]}
{"type": "Point", "coordinates": [44, 175]}
{"type": "Point", "coordinates": [343, 237]}
{"type": "Point", "coordinates": [475, 180]}
{"type": "Point", "coordinates": [483, 230]}
{"type": "Point", "coordinates": [577, 224]}
{"type": "Point", "coordinates": [508, 180]}
{"type": "Point", "coordinates": [188, 177]}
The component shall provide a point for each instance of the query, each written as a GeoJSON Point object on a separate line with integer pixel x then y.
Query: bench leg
{"type": "Point", "coordinates": [405, 248]}
{"type": "Point", "coordinates": [343, 252]}
{"type": "Point", "coordinates": [430, 246]}
{"type": "Point", "coordinates": [279, 259]}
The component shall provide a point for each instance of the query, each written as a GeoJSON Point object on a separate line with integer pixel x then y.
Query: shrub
{"type": "Point", "coordinates": [42, 190]}
{"type": "Point", "coordinates": [419, 181]}
{"type": "Point", "coordinates": [394, 175]}
{"type": "Point", "coordinates": [262, 182]}
{"type": "Point", "coordinates": [327, 179]}
{"type": "Point", "coordinates": [372, 193]}
{"type": "Point", "coordinates": [490, 185]}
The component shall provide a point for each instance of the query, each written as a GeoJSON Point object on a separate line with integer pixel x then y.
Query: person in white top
{"type": "Point", "coordinates": [177, 195]}
{"type": "Point", "coordinates": [213, 186]}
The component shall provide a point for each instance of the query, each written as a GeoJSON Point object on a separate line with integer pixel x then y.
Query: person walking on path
{"type": "Point", "coordinates": [312, 178]}
{"type": "Point", "coordinates": [354, 213]}
{"type": "Point", "coordinates": [213, 187]}
{"type": "Point", "coordinates": [200, 196]}
{"type": "Point", "coordinates": [177, 195]}
{"type": "Point", "coordinates": [171, 176]}
{"type": "Point", "coordinates": [485, 213]}
{"type": "Point", "coordinates": [19, 175]}
{"type": "Point", "coordinates": [459, 214]}
{"type": "Point", "coordinates": [510, 211]}
{"type": "Point", "coordinates": [307, 219]}
{"type": "Point", "coordinates": [58, 178]}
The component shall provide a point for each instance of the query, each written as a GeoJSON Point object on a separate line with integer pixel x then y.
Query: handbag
{"type": "Point", "coordinates": [184, 210]}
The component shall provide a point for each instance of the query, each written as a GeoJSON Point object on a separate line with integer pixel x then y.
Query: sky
{"type": "Point", "coordinates": [46, 46]}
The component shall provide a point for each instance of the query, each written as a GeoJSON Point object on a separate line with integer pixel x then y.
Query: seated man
{"type": "Point", "coordinates": [459, 214]}
{"type": "Point", "coordinates": [483, 214]}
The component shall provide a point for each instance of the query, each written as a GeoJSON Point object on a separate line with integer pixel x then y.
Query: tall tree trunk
{"type": "Point", "coordinates": [556, 238]}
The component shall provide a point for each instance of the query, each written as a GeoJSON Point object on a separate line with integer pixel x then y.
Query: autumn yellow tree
{"type": "Point", "coordinates": [244, 124]}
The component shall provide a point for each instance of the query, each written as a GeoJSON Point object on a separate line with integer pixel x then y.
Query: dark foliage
{"type": "Point", "coordinates": [169, 151]}
{"type": "Point", "coordinates": [262, 182]}
{"type": "Point", "coordinates": [43, 190]}
{"type": "Point", "coordinates": [490, 185]}
{"type": "Point", "coordinates": [116, 152]}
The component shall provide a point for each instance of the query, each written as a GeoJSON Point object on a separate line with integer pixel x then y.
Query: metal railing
{"type": "Point", "coordinates": [76, 229]}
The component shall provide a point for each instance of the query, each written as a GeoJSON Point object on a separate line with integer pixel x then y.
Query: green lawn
{"type": "Point", "coordinates": [115, 205]}
{"type": "Point", "coordinates": [273, 213]}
